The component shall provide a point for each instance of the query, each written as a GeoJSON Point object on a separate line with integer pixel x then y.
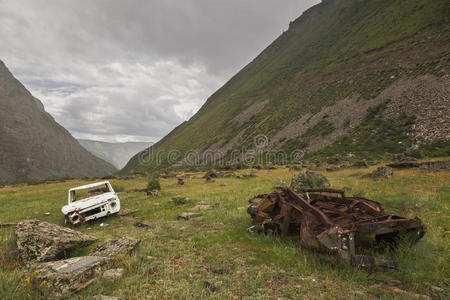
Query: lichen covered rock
{"type": "Point", "coordinates": [382, 172]}
{"type": "Point", "coordinates": [39, 241]}
{"type": "Point", "coordinates": [112, 248]}
{"type": "Point", "coordinates": [64, 277]}
{"type": "Point", "coordinates": [308, 180]}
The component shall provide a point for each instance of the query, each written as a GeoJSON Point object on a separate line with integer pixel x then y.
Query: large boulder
{"type": "Point", "coordinates": [308, 180]}
{"type": "Point", "coordinates": [64, 277]}
{"type": "Point", "coordinates": [39, 241]}
{"type": "Point", "coordinates": [112, 248]}
{"type": "Point", "coordinates": [382, 172]}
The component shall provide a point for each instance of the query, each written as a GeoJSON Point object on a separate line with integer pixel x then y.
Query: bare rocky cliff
{"type": "Point", "coordinates": [32, 145]}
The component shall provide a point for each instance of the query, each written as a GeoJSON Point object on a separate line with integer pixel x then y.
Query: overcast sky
{"type": "Point", "coordinates": [132, 70]}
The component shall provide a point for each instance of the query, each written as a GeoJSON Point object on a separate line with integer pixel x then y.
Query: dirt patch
{"type": "Point", "coordinates": [248, 113]}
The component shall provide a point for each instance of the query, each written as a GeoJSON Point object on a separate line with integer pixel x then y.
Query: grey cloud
{"type": "Point", "coordinates": [114, 69]}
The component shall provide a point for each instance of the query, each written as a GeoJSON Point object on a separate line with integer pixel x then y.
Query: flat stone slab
{"type": "Point", "coordinates": [111, 248]}
{"type": "Point", "coordinates": [65, 277]}
{"type": "Point", "coordinates": [200, 207]}
{"type": "Point", "coordinates": [113, 274]}
{"type": "Point", "coordinates": [39, 241]}
{"type": "Point", "coordinates": [188, 216]}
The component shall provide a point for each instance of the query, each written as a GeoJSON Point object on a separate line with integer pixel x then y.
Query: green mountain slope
{"type": "Point", "coordinates": [349, 77]}
{"type": "Point", "coordinates": [32, 145]}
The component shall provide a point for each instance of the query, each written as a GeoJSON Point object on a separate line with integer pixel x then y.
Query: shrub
{"type": "Point", "coordinates": [153, 183]}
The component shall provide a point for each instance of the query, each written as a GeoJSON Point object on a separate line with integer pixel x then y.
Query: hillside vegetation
{"type": "Point", "coordinates": [348, 78]}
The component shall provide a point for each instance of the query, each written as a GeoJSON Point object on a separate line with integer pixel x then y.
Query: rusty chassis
{"type": "Point", "coordinates": [328, 221]}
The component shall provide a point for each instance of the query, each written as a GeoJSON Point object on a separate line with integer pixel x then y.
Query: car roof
{"type": "Point", "coordinates": [88, 186]}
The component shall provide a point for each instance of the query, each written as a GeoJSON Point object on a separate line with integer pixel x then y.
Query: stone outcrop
{"type": "Point", "coordinates": [112, 248]}
{"type": "Point", "coordinates": [201, 206]}
{"type": "Point", "coordinates": [308, 180]}
{"type": "Point", "coordinates": [381, 172]}
{"type": "Point", "coordinates": [40, 241]}
{"type": "Point", "coordinates": [113, 274]}
{"type": "Point", "coordinates": [64, 277]}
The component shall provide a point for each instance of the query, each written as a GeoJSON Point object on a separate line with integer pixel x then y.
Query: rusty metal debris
{"type": "Point", "coordinates": [331, 222]}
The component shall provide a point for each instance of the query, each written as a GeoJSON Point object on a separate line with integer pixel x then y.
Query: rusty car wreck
{"type": "Point", "coordinates": [330, 222]}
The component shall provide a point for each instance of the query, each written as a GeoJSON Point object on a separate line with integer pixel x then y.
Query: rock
{"type": "Point", "coordinates": [39, 241]}
{"type": "Point", "coordinates": [435, 165]}
{"type": "Point", "coordinates": [103, 297]}
{"type": "Point", "coordinates": [308, 180]}
{"type": "Point", "coordinates": [111, 248]}
{"type": "Point", "coordinates": [126, 211]}
{"type": "Point", "coordinates": [381, 172]}
{"type": "Point", "coordinates": [142, 225]}
{"type": "Point", "coordinates": [180, 181]}
{"type": "Point", "coordinates": [211, 174]}
{"type": "Point", "coordinates": [404, 165]}
{"type": "Point", "coordinates": [113, 274]}
{"type": "Point", "coordinates": [249, 173]}
{"type": "Point", "coordinates": [200, 207]}
{"type": "Point", "coordinates": [188, 215]}
{"type": "Point", "coordinates": [64, 277]}
{"type": "Point", "coordinates": [153, 193]}
{"type": "Point", "coordinates": [46, 214]}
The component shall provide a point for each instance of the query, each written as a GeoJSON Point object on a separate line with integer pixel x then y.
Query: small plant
{"type": "Point", "coordinates": [153, 183]}
{"type": "Point", "coordinates": [180, 200]}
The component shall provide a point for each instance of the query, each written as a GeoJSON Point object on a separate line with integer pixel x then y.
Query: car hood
{"type": "Point", "coordinates": [87, 202]}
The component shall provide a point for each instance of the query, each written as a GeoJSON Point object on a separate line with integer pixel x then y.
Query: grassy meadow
{"type": "Point", "coordinates": [214, 257]}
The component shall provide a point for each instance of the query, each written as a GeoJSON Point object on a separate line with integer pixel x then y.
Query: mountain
{"type": "Point", "coordinates": [348, 79]}
{"type": "Point", "coordinates": [32, 145]}
{"type": "Point", "coordinates": [118, 154]}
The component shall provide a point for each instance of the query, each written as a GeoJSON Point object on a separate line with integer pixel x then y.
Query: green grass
{"type": "Point", "coordinates": [175, 258]}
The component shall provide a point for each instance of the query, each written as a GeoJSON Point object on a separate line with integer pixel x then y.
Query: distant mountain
{"type": "Point", "coordinates": [117, 154]}
{"type": "Point", "coordinates": [32, 145]}
{"type": "Point", "coordinates": [348, 79]}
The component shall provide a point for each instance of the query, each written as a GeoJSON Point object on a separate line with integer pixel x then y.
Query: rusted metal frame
{"type": "Point", "coordinates": [305, 205]}
{"type": "Point", "coordinates": [326, 190]}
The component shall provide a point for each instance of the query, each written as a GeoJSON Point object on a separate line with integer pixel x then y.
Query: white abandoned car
{"type": "Point", "coordinates": [92, 204]}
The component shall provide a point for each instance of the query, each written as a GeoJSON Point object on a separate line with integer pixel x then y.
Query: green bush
{"type": "Point", "coordinates": [153, 184]}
